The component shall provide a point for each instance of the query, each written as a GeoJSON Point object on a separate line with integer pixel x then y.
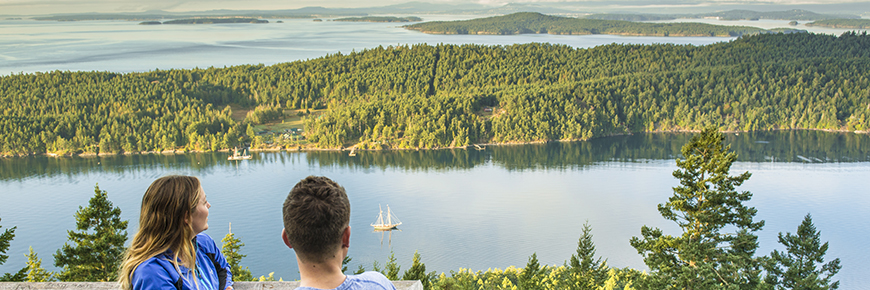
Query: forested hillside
{"type": "Point", "coordinates": [532, 22]}
{"type": "Point", "coordinates": [440, 96]}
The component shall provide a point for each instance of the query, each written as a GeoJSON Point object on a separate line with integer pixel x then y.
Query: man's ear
{"type": "Point", "coordinates": [345, 238]}
{"type": "Point", "coordinates": [284, 237]}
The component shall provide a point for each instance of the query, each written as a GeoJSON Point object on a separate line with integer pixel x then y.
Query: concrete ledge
{"type": "Point", "coordinates": [400, 285]}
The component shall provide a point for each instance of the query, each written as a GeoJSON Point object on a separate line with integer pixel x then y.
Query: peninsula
{"type": "Point", "coordinates": [532, 22]}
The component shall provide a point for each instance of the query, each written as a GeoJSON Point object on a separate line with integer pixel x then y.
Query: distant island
{"type": "Point", "coordinates": [207, 21]}
{"type": "Point", "coordinates": [842, 23]}
{"type": "Point", "coordinates": [381, 19]}
{"type": "Point", "coordinates": [531, 22]}
{"type": "Point", "coordinates": [794, 14]}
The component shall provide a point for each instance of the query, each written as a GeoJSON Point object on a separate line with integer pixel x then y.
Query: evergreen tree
{"type": "Point", "coordinates": [392, 268]}
{"type": "Point", "coordinates": [98, 246]}
{"type": "Point", "coordinates": [591, 271]}
{"type": "Point", "coordinates": [528, 279]}
{"type": "Point", "coordinates": [704, 256]}
{"type": "Point", "coordinates": [418, 272]}
{"type": "Point", "coordinates": [798, 267]}
{"type": "Point", "coordinates": [232, 248]}
{"type": "Point", "coordinates": [35, 272]}
{"type": "Point", "coordinates": [344, 263]}
{"type": "Point", "coordinates": [5, 239]}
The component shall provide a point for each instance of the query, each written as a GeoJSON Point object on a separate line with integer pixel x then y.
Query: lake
{"type": "Point", "coordinates": [467, 208]}
{"type": "Point", "coordinates": [460, 208]}
{"type": "Point", "coordinates": [28, 46]}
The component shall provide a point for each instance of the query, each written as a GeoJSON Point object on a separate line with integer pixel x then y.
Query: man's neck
{"type": "Point", "coordinates": [325, 275]}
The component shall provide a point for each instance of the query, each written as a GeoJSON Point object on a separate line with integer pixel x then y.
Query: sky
{"type": "Point", "coordinates": [41, 7]}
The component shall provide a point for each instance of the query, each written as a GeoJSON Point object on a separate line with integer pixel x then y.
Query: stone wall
{"type": "Point", "coordinates": [400, 285]}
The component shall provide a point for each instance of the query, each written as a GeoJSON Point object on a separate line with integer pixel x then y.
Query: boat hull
{"type": "Point", "coordinates": [385, 227]}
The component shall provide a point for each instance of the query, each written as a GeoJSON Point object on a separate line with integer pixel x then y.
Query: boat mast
{"type": "Point", "coordinates": [389, 221]}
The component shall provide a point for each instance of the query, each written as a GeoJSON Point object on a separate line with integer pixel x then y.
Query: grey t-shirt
{"type": "Point", "coordinates": [365, 281]}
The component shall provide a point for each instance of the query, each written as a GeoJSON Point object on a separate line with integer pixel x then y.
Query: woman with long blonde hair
{"type": "Point", "coordinates": [170, 251]}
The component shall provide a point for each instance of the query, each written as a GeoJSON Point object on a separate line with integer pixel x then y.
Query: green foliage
{"type": "Point", "coordinates": [705, 203]}
{"type": "Point", "coordinates": [35, 272]}
{"type": "Point", "coordinates": [5, 239]}
{"type": "Point", "coordinates": [98, 245]}
{"type": "Point", "coordinates": [344, 263]}
{"type": "Point", "coordinates": [842, 23]}
{"type": "Point", "coordinates": [392, 268]}
{"type": "Point", "coordinates": [590, 272]}
{"type": "Point", "coordinates": [529, 278]}
{"type": "Point", "coordinates": [232, 251]}
{"type": "Point", "coordinates": [19, 276]}
{"type": "Point", "coordinates": [434, 96]}
{"type": "Point", "coordinates": [533, 22]}
{"type": "Point", "coordinates": [802, 265]}
{"type": "Point", "coordinates": [418, 272]}
{"type": "Point", "coordinates": [359, 270]}
{"type": "Point", "coordinates": [270, 277]}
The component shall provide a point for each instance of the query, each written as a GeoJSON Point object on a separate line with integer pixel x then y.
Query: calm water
{"type": "Point", "coordinates": [125, 46]}
{"type": "Point", "coordinates": [467, 208]}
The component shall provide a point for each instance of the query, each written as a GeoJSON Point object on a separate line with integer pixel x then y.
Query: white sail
{"type": "Point", "coordinates": [391, 223]}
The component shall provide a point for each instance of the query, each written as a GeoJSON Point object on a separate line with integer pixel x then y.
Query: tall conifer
{"type": "Point", "coordinates": [800, 266]}
{"type": "Point", "coordinates": [35, 272]}
{"type": "Point", "coordinates": [592, 272]}
{"type": "Point", "coordinates": [98, 246]}
{"type": "Point", "coordinates": [5, 240]}
{"type": "Point", "coordinates": [232, 250]}
{"type": "Point", "coordinates": [704, 206]}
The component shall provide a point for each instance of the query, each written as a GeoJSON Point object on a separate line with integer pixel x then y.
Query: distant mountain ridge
{"type": "Point", "coordinates": [422, 8]}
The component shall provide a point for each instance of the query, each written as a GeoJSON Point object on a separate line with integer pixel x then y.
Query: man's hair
{"type": "Point", "coordinates": [316, 213]}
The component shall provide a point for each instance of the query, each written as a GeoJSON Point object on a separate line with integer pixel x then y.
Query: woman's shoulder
{"type": "Point", "coordinates": [205, 242]}
{"type": "Point", "coordinates": [155, 270]}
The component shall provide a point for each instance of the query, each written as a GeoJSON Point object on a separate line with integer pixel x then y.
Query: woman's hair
{"type": "Point", "coordinates": [167, 203]}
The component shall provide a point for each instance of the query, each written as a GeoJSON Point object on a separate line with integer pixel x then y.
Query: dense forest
{"type": "Point", "coordinates": [531, 22]}
{"type": "Point", "coordinates": [842, 23]}
{"type": "Point", "coordinates": [439, 96]}
{"type": "Point", "coordinates": [794, 14]}
{"type": "Point", "coordinates": [380, 19]}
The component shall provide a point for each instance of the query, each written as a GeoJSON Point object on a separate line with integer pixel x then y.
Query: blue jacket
{"type": "Point", "coordinates": [159, 273]}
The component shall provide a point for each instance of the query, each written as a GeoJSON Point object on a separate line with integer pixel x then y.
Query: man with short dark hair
{"type": "Point", "coordinates": [317, 228]}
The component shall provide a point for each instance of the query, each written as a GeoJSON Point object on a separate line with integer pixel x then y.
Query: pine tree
{"type": "Point", "coordinates": [392, 268]}
{"type": "Point", "coordinates": [35, 272]}
{"type": "Point", "coordinates": [418, 272]}
{"type": "Point", "coordinates": [591, 271]}
{"type": "Point", "coordinates": [232, 248]}
{"type": "Point", "coordinates": [344, 263]}
{"type": "Point", "coordinates": [5, 240]}
{"type": "Point", "coordinates": [528, 279]}
{"type": "Point", "coordinates": [798, 267]}
{"type": "Point", "coordinates": [704, 256]}
{"type": "Point", "coordinates": [98, 246]}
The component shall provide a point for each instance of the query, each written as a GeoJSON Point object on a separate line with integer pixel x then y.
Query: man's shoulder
{"type": "Point", "coordinates": [368, 280]}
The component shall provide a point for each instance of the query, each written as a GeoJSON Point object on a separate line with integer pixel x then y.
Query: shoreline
{"type": "Point", "coordinates": [309, 148]}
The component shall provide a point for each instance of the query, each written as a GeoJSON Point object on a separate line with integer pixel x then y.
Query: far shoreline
{"type": "Point", "coordinates": [342, 149]}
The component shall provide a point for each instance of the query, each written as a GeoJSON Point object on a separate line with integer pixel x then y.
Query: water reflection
{"type": "Point", "coordinates": [389, 234]}
{"type": "Point", "coordinates": [799, 146]}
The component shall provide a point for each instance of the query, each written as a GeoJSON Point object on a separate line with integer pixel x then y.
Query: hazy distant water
{"type": "Point", "coordinates": [467, 208]}
{"type": "Point", "coordinates": [125, 46]}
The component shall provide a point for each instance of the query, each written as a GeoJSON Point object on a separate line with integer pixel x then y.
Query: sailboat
{"type": "Point", "coordinates": [390, 223]}
{"type": "Point", "coordinates": [237, 156]}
